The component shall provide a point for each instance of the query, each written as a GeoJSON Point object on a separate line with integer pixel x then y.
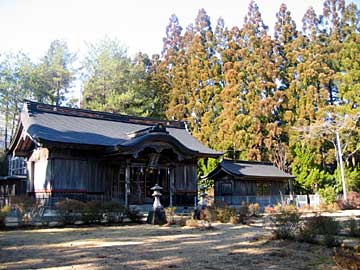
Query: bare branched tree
{"type": "Point", "coordinates": [338, 129]}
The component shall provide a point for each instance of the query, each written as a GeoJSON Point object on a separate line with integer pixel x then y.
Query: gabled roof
{"type": "Point", "coordinates": [46, 124]}
{"type": "Point", "coordinates": [248, 169]}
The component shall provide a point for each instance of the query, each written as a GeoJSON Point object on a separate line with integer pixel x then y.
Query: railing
{"type": "Point", "coordinates": [263, 201]}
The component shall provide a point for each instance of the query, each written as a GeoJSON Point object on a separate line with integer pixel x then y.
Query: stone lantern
{"type": "Point", "coordinates": [202, 203]}
{"type": "Point", "coordinates": [157, 215]}
{"type": "Point", "coordinates": [156, 194]}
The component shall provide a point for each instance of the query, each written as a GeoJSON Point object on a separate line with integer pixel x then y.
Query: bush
{"type": "Point", "coordinates": [209, 214]}
{"type": "Point", "coordinates": [92, 212]}
{"type": "Point", "coordinates": [327, 194]}
{"type": "Point", "coordinates": [323, 224]}
{"type": "Point", "coordinates": [236, 220]}
{"type": "Point", "coordinates": [192, 223]}
{"type": "Point", "coordinates": [25, 205]}
{"type": "Point", "coordinates": [170, 215]}
{"type": "Point", "coordinates": [244, 209]}
{"type": "Point", "coordinates": [269, 210]}
{"type": "Point", "coordinates": [254, 209]}
{"type": "Point", "coordinates": [331, 207]}
{"type": "Point", "coordinates": [114, 211]}
{"type": "Point", "coordinates": [181, 221]}
{"type": "Point", "coordinates": [347, 258]}
{"type": "Point", "coordinates": [354, 228]}
{"type": "Point", "coordinates": [286, 222]}
{"type": "Point", "coordinates": [224, 214]}
{"type": "Point", "coordinates": [353, 201]}
{"type": "Point", "coordinates": [70, 210]}
{"type": "Point", "coordinates": [320, 225]}
{"type": "Point", "coordinates": [330, 241]}
{"type": "Point", "coordinates": [135, 215]}
{"type": "Point", "coordinates": [3, 213]}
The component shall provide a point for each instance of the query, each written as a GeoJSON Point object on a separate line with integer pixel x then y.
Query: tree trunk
{"type": "Point", "coordinates": [340, 159]}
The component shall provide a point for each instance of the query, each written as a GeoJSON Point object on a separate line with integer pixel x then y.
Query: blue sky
{"type": "Point", "coordinates": [30, 25]}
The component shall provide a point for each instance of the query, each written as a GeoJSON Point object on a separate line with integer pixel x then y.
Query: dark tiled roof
{"type": "Point", "coordinates": [239, 168]}
{"type": "Point", "coordinates": [75, 126]}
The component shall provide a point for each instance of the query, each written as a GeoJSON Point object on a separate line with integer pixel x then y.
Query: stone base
{"type": "Point", "coordinates": [197, 211]}
{"type": "Point", "coordinates": [156, 217]}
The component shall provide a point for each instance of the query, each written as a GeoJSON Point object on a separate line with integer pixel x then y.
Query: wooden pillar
{"type": "Point", "coordinates": [171, 171]}
{"type": "Point", "coordinates": [30, 182]}
{"type": "Point", "coordinates": [291, 187]}
{"type": "Point", "coordinates": [127, 184]}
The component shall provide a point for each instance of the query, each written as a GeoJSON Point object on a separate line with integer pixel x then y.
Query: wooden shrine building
{"type": "Point", "coordinates": [249, 181]}
{"type": "Point", "coordinates": [89, 155]}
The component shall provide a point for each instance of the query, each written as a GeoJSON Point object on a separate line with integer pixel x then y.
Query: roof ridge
{"type": "Point", "coordinates": [33, 106]}
{"type": "Point", "coordinates": [248, 161]}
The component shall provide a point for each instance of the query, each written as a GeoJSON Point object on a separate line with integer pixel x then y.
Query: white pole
{"type": "Point", "coordinates": [341, 165]}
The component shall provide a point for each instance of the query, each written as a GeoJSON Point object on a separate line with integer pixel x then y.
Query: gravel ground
{"type": "Point", "coordinates": [225, 246]}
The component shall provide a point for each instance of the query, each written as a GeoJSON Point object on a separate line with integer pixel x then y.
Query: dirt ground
{"type": "Point", "coordinates": [225, 246]}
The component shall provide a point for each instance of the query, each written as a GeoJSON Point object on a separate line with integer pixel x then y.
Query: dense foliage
{"type": "Point", "coordinates": [250, 92]}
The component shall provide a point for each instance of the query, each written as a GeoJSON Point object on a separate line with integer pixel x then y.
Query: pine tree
{"type": "Point", "coordinates": [15, 77]}
{"type": "Point", "coordinates": [55, 73]}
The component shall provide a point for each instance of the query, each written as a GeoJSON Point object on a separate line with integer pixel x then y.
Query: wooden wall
{"type": "Point", "coordinates": [73, 172]}
{"type": "Point", "coordinates": [249, 187]}
{"type": "Point", "coordinates": [186, 177]}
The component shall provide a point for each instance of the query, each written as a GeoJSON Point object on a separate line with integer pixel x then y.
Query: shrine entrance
{"type": "Point", "coordinates": [148, 169]}
{"type": "Point", "coordinates": [143, 179]}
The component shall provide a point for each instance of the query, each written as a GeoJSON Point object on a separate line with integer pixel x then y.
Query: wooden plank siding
{"type": "Point", "coordinates": [248, 187]}
{"type": "Point", "coordinates": [65, 172]}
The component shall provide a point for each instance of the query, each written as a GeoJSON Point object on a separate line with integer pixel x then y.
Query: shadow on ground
{"type": "Point", "coordinates": [152, 247]}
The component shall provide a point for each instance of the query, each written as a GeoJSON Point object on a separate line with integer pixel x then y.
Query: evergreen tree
{"type": "Point", "coordinates": [15, 70]}
{"type": "Point", "coordinates": [54, 73]}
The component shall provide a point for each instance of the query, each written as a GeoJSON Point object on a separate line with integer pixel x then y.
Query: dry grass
{"type": "Point", "coordinates": [152, 247]}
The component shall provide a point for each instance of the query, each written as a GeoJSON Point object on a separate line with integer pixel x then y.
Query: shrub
{"type": "Point", "coordinates": [307, 234]}
{"type": "Point", "coordinates": [209, 214]}
{"type": "Point", "coordinates": [192, 223]}
{"type": "Point", "coordinates": [353, 200]}
{"type": "Point", "coordinates": [181, 221]}
{"type": "Point", "coordinates": [220, 204]}
{"type": "Point", "coordinates": [3, 213]}
{"type": "Point", "coordinates": [327, 194]}
{"type": "Point", "coordinates": [224, 214]}
{"type": "Point", "coordinates": [323, 224]}
{"type": "Point", "coordinates": [113, 207]}
{"type": "Point", "coordinates": [92, 212]}
{"type": "Point", "coordinates": [320, 225]}
{"type": "Point", "coordinates": [354, 228]}
{"type": "Point", "coordinates": [243, 213]}
{"type": "Point", "coordinates": [114, 211]}
{"type": "Point", "coordinates": [305, 208]}
{"type": "Point", "coordinates": [70, 210]}
{"type": "Point", "coordinates": [236, 220]}
{"type": "Point", "coordinates": [331, 241]}
{"type": "Point", "coordinates": [269, 210]}
{"type": "Point", "coordinates": [244, 209]}
{"type": "Point", "coordinates": [347, 258]}
{"type": "Point", "coordinates": [278, 208]}
{"type": "Point", "coordinates": [286, 222]}
{"type": "Point", "coordinates": [135, 215]}
{"type": "Point", "coordinates": [331, 207]}
{"type": "Point", "coordinates": [254, 209]}
{"type": "Point", "coordinates": [170, 215]}
{"type": "Point", "coordinates": [25, 205]}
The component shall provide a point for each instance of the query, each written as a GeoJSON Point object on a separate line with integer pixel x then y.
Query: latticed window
{"type": "Point", "coordinates": [263, 188]}
{"type": "Point", "coordinates": [226, 188]}
{"type": "Point", "coordinates": [17, 166]}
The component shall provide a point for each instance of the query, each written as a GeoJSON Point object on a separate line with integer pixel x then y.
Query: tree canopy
{"type": "Point", "coordinates": [245, 90]}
